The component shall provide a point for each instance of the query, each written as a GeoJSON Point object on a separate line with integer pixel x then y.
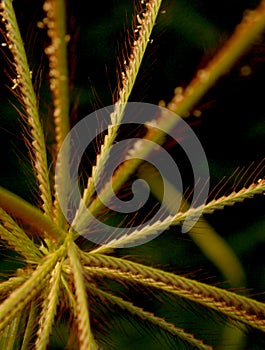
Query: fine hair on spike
{"type": "Point", "coordinates": [241, 177]}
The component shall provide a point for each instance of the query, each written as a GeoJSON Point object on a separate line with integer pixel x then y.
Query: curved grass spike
{"type": "Point", "coordinates": [20, 246]}
{"type": "Point", "coordinates": [59, 86]}
{"type": "Point", "coordinates": [212, 245]}
{"type": "Point", "coordinates": [17, 238]}
{"type": "Point", "coordinates": [25, 92]}
{"type": "Point", "coordinates": [149, 317]}
{"type": "Point", "coordinates": [236, 307]}
{"type": "Point", "coordinates": [30, 327]}
{"type": "Point", "coordinates": [12, 283]}
{"type": "Point", "coordinates": [85, 335]}
{"type": "Point", "coordinates": [29, 290]}
{"type": "Point", "coordinates": [49, 308]}
{"type": "Point", "coordinates": [179, 218]}
{"type": "Point", "coordinates": [69, 293]}
{"type": "Point", "coordinates": [142, 31]}
{"type": "Point", "coordinates": [253, 23]}
{"type": "Point", "coordinates": [9, 337]}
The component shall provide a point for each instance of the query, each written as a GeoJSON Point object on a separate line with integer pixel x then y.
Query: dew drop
{"type": "Point", "coordinates": [162, 103]}
{"type": "Point", "coordinates": [178, 90]}
{"type": "Point", "coordinates": [197, 113]}
{"type": "Point", "coordinates": [40, 24]}
{"type": "Point", "coordinates": [47, 6]}
{"type": "Point", "coordinates": [203, 75]}
{"type": "Point", "coordinates": [245, 71]}
{"type": "Point", "coordinates": [67, 38]}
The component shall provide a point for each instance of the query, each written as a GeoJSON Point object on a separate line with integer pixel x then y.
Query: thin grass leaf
{"type": "Point", "coordinates": [171, 220]}
{"type": "Point", "coordinates": [9, 337]}
{"type": "Point", "coordinates": [236, 307]}
{"type": "Point", "coordinates": [149, 317]}
{"type": "Point", "coordinates": [49, 308]}
{"type": "Point", "coordinates": [12, 283]}
{"type": "Point", "coordinates": [142, 31]}
{"type": "Point", "coordinates": [27, 98]}
{"type": "Point", "coordinates": [85, 336]}
{"type": "Point", "coordinates": [69, 293]}
{"type": "Point", "coordinates": [30, 327]}
{"type": "Point", "coordinates": [17, 238]}
{"type": "Point", "coordinates": [29, 290]}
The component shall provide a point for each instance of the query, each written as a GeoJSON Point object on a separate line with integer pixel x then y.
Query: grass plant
{"type": "Point", "coordinates": [67, 292]}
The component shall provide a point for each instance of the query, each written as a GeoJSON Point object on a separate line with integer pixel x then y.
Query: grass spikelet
{"type": "Point", "coordinates": [9, 336]}
{"type": "Point", "coordinates": [30, 327]}
{"type": "Point", "coordinates": [216, 204]}
{"type": "Point", "coordinates": [27, 97]}
{"type": "Point", "coordinates": [146, 20]}
{"type": "Point", "coordinates": [85, 335]}
{"type": "Point", "coordinates": [251, 26]}
{"type": "Point", "coordinates": [150, 317]}
{"type": "Point", "coordinates": [234, 306]}
{"type": "Point", "coordinates": [236, 197]}
{"type": "Point", "coordinates": [20, 297]}
{"type": "Point", "coordinates": [12, 283]}
{"type": "Point", "coordinates": [17, 238]}
{"type": "Point", "coordinates": [49, 309]}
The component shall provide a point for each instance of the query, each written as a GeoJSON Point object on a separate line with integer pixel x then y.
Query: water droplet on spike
{"type": "Point", "coordinates": [245, 71]}
{"type": "Point", "coordinates": [202, 74]}
{"type": "Point", "coordinates": [40, 24]}
{"type": "Point", "coordinates": [197, 113]}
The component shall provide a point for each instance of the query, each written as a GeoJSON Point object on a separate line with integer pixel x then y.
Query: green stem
{"type": "Point", "coordinates": [59, 86]}
{"type": "Point", "coordinates": [29, 290]}
{"type": "Point", "coordinates": [29, 214]}
{"type": "Point", "coordinates": [131, 67]}
{"type": "Point", "coordinates": [252, 24]}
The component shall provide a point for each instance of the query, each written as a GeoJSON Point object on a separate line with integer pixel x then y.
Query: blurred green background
{"type": "Point", "coordinates": [231, 130]}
